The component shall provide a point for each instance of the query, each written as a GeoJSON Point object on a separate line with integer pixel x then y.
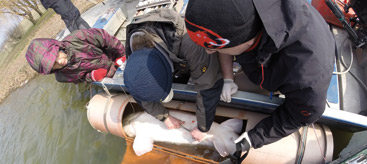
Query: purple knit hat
{"type": "Point", "coordinates": [42, 53]}
{"type": "Point", "coordinates": [221, 23]}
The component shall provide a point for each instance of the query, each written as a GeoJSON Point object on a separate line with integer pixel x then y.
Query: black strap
{"type": "Point", "coordinates": [239, 150]}
{"type": "Point", "coordinates": [236, 157]}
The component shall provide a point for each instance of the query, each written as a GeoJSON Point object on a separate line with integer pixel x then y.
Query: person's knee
{"type": "Point", "coordinates": [309, 117]}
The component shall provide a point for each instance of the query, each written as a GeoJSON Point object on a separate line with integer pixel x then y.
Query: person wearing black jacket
{"type": "Point", "coordinates": [281, 46]}
{"type": "Point", "coordinates": [68, 12]}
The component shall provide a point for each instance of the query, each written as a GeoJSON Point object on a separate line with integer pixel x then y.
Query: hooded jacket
{"type": "Point", "coordinates": [86, 50]}
{"type": "Point", "coordinates": [296, 57]}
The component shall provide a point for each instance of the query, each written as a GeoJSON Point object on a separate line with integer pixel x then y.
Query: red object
{"type": "Point", "coordinates": [257, 41]}
{"type": "Point", "coordinates": [262, 75]}
{"type": "Point", "coordinates": [206, 38]}
{"type": "Point", "coordinates": [120, 60]}
{"type": "Point", "coordinates": [328, 15]}
{"type": "Point", "coordinates": [305, 113]}
{"type": "Point", "coordinates": [99, 74]}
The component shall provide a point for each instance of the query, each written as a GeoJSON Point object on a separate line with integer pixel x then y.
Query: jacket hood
{"type": "Point", "coordinates": [42, 53]}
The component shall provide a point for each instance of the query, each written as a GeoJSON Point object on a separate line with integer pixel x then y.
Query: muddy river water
{"type": "Point", "coordinates": [46, 122]}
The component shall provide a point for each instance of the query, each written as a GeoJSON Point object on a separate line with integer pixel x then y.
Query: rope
{"type": "Point", "coordinates": [302, 145]}
{"type": "Point", "coordinates": [106, 106]}
{"type": "Point", "coordinates": [317, 138]}
{"type": "Point", "coordinates": [132, 106]}
{"type": "Point", "coordinates": [105, 88]}
{"type": "Point", "coordinates": [351, 59]}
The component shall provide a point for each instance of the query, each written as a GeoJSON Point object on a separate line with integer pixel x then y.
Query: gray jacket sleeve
{"type": "Point", "coordinates": [206, 75]}
{"type": "Point", "coordinates": [156, 109]}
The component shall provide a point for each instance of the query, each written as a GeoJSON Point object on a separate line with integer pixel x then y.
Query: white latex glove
{"type": "Point", "coordinates": [229, 88]}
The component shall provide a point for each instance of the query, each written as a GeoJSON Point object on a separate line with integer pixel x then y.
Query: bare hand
{"type": "Point", "coordinates": [197, 134]}
{"type": "Point", "coordinates": [173, 122]}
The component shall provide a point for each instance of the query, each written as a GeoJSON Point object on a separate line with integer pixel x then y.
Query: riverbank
{"type": "Point", "coordinates": [16, 72]}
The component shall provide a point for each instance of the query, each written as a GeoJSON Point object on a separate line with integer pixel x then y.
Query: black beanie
{"type": "Point", "coordinates": [148, 75]}
{"type": "Point", "coordinates": [221, 23]}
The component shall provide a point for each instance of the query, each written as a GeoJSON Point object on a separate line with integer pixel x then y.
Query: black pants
{"type": "Point", "coordinates": [70, 15]}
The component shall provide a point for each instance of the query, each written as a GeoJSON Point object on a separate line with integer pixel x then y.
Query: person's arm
{"type": "Point", "coordinates": [300, 108]}
{"type": "Point", "coordinates": [103, 43]}
{"type": "Point", "coordinates": [205, 74]}
{"type": "Point", "coordinates": [226, 65]}
{"type": "Point", "coordinates": [157, 110]}
{"type": "Point", "coordinates": [229, 87]}
{"type": "Point", "coordinates": [101, 39]}
{"type": "Point", "coordinates": [77, 77]}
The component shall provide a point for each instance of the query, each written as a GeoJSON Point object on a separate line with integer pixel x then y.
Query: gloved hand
{"type": "Point", "coordinates": [99, 74]}
{"type": "Point", "coordinates": [229, 88]}
{"type": "Point", "coordinates": [119, 61]}
{"type": "Point", "coordinates": [245, 141]}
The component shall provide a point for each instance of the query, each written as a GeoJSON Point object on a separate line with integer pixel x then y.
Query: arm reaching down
{"type": "Point", "coordinates": [229, 87]}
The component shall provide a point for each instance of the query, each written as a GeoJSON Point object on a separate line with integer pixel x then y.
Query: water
{"type": "Point", "coordinates": [46, 122]}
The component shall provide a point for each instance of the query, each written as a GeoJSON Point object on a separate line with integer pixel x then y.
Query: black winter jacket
{"type": "Point", "coordinates": [296, 57]}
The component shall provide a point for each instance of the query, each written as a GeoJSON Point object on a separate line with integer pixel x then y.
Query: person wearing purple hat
{"type": "Point", "coordinates": [281, 46]}
{"type": "Point", "coordinates": [159, 53]}
{"type": "Point", "coordinates": [83, 56]}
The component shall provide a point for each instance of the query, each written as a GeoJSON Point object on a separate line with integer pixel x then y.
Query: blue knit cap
{"type": "Point", "coordinates": [148, 75]}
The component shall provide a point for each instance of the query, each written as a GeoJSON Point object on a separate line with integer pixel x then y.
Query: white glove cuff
{"type": "Point", "coordinates": [228, 80]}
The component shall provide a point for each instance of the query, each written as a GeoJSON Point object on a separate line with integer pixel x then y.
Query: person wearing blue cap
{"type": "Point", "coordinates": [159, 53]}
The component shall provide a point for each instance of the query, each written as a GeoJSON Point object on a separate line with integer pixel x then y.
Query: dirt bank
{"type": "Point", "coordinates": [18, 72]}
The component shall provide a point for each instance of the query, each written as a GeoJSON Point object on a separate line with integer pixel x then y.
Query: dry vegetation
{"type": "Point", "coordinates": [18, 72]}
